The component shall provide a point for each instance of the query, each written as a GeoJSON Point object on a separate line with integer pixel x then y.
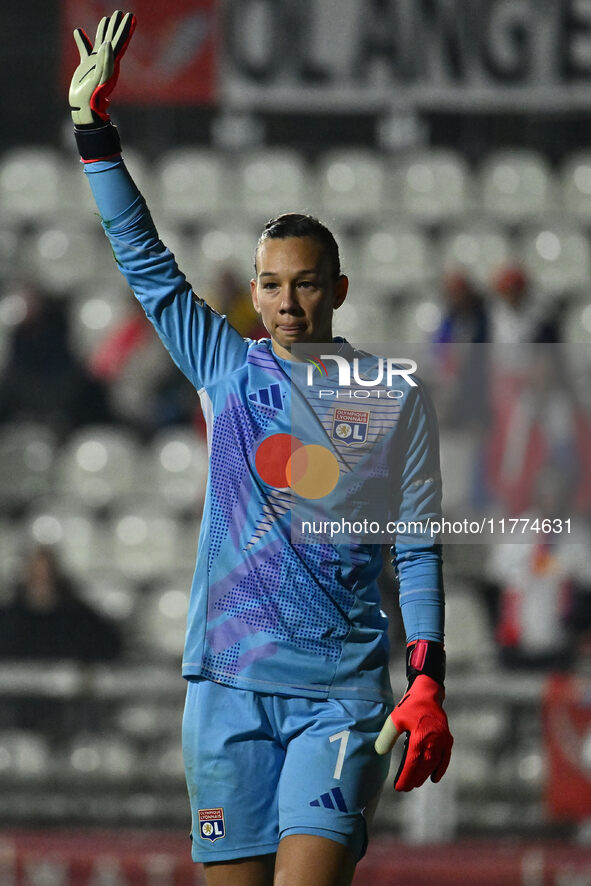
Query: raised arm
{"type": "Point", "coordinates": [201, 342]}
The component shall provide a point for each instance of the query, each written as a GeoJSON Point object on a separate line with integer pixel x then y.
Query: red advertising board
{"type": "Point", "coordinates": [172, 58]}
{"type": "Point", "coordinates": [77, 858]}
{"type": "Point", "coordinates": [567, 736]}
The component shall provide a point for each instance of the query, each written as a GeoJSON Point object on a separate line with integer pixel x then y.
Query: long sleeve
{"type": "Point", "coordinates": [202, 342]}
{"type": "Point", "coordinates": [417, 558]}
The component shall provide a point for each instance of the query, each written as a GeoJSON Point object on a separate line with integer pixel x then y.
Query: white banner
{"type": "Point", "coordinates": [371, 55]}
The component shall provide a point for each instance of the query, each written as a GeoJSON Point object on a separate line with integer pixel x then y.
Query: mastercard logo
{"type": "Point", "coordinates": [308, 469]}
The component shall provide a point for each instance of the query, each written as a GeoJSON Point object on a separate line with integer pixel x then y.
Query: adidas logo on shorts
{"type": "Point", "coordinates": [332, 800]}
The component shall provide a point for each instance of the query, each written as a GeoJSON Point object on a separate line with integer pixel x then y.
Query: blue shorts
{"type": "Point", "coordinates": [260, 767]}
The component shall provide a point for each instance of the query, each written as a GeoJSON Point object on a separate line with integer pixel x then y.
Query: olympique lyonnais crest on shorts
{"type": "Point", "coordinates": [211, 824]}
{"type": "Point", "coordinates": [350, 426]}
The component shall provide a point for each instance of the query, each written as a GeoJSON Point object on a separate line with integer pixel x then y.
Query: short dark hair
{"type": "Point", "coordinates": [297, 224]}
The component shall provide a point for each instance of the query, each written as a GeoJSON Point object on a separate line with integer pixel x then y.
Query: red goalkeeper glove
{"type": "Point", "coordinates": [420, 714]}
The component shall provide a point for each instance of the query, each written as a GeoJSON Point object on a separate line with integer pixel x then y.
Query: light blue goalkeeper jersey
{"type": "Point", "coordinates": [267, 613]}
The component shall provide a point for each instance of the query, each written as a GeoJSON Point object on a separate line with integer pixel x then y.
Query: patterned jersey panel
{"type": "Point", "coordinates": [279, 615]}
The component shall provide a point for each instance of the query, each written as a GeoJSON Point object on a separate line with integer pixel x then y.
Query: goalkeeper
{"type": "Point", "coordinates": [288, 720]}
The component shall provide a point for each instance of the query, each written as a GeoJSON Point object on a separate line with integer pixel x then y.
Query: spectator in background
{"type": "Point", "coordinates": [462, 384]}
{"type": "Point", "coordinates": [540, 426]}
{"type": "Point", "coordinates": [46, 620]}
{"type": "Point", "coordinates": [462, 361]}
{"type": "Point", "coordinates": [42, 380]}
{"type": "Point", "coordinates": [537, 422]}
{"type": "Point", "coordinates": [518, 313]}
{"type": "Point", "coordinates": [465, 315]}
{"type": "Point", "coordinates": [233, 299]}
{"type": "Point", "coordinates": [143, 389]}
{"type": "Point", "coordinates": [543, 581]}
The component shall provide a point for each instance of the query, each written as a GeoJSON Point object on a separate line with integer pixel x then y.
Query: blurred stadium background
{"type": "Point", "coordinates": [432, 136]}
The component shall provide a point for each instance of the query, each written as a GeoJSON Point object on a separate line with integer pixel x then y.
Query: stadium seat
{"type": "Point", "coordinates": [530, 765]}
{"type": "Point", "coordinates": [29, 184]}
{"type": "Point", "coordinates": [222, 247]}
{"type": "Point", "coordinates": [558, 258]}
{"type": "Point", "coordinates": [470, 766]}
{"type": "Point", "coordinates": [468, 637]}
{"type": "Point", "coordinates": [11, 557]}
{"type": "Point", "coordinates": [97, 312]}
{"type": "Point", "coordinates": [9, 250]}
{"type": "Point", "coordinates": [460, 454]}
{"type": "Point", "coordinates": [24, 754]}
{"type": "Point", "coordinates": [82, 544]}
{"type": "Point", "coordinates": [146, 720]}
{"type": "Point", "coordinates": [575, 184]}
{"type": "Point", "coordinates": [349, 247]}
{"type": "Point", "coordinates": [111, 594]}
{"type": "Point", "coordinates": [180, 244]}
{"type": "Point", "coordinates": [270, 182]}
{"type": "Point", "coordinates": [162, 621]}
{"type": "Point", "coordinates": [176, 469]}
{"type": "Point", "coordinates": [4, 347]}
{"type": "Point", "coordinates": [350, 187]}
{"type": "Point", "coordinates": [398, 257]}
{"type": "Point", "coordinates": [479, 249]}
{"type": "Point", "coordinates": [27, 462]}
{"type": "Point", "coordinates": [165, 759]}
{"type": "Point", "coordinates": [13, 309]}
{"type": "Point", "coordinates": [191, 184]}
{"type": "Point", "coordinates": [481, 727]}
{"type": "Point", "coordinates": [432, 186]}
{"type": "Point", "coordinates": [65, 256]}
{"type": "Point", "coordinates": [515, 186]}
{"type": "Point", "coordinates": [365, 320]}
{"type": "Point", "coordinates": [577, 323]}
{"type": "Point", "coordinates": [98, 465]}
{"type": "Point", "coordinates": [144, 541]}
{"type": "Point", "coordinates": [92, 756]}
{"type": "Point", "coordinates": [418, 318]}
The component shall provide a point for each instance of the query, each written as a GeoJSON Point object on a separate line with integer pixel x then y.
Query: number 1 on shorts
{"type": "Point", "coordinates": [343, 737]}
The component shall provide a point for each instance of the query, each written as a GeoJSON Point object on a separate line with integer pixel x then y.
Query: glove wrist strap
{"type": "Point", "coordinates": [425, 657]}
{"type": "Point", "coordinates": [98, 143]}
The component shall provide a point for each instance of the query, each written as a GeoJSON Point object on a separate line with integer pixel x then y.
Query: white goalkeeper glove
{"type": "Point", "coordinates": [96, 76]}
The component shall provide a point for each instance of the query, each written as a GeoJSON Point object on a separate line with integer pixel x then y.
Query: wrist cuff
{"type": "Point", "coordinates": [98, 143]}
{"type": "Point", "coordinates": [425, 657]}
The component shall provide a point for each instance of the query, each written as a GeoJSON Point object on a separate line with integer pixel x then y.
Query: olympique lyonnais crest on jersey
{"type": "Point", "coordinates": [350, 426]}
{"type": "Point", "coordinates": [211, 824]}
